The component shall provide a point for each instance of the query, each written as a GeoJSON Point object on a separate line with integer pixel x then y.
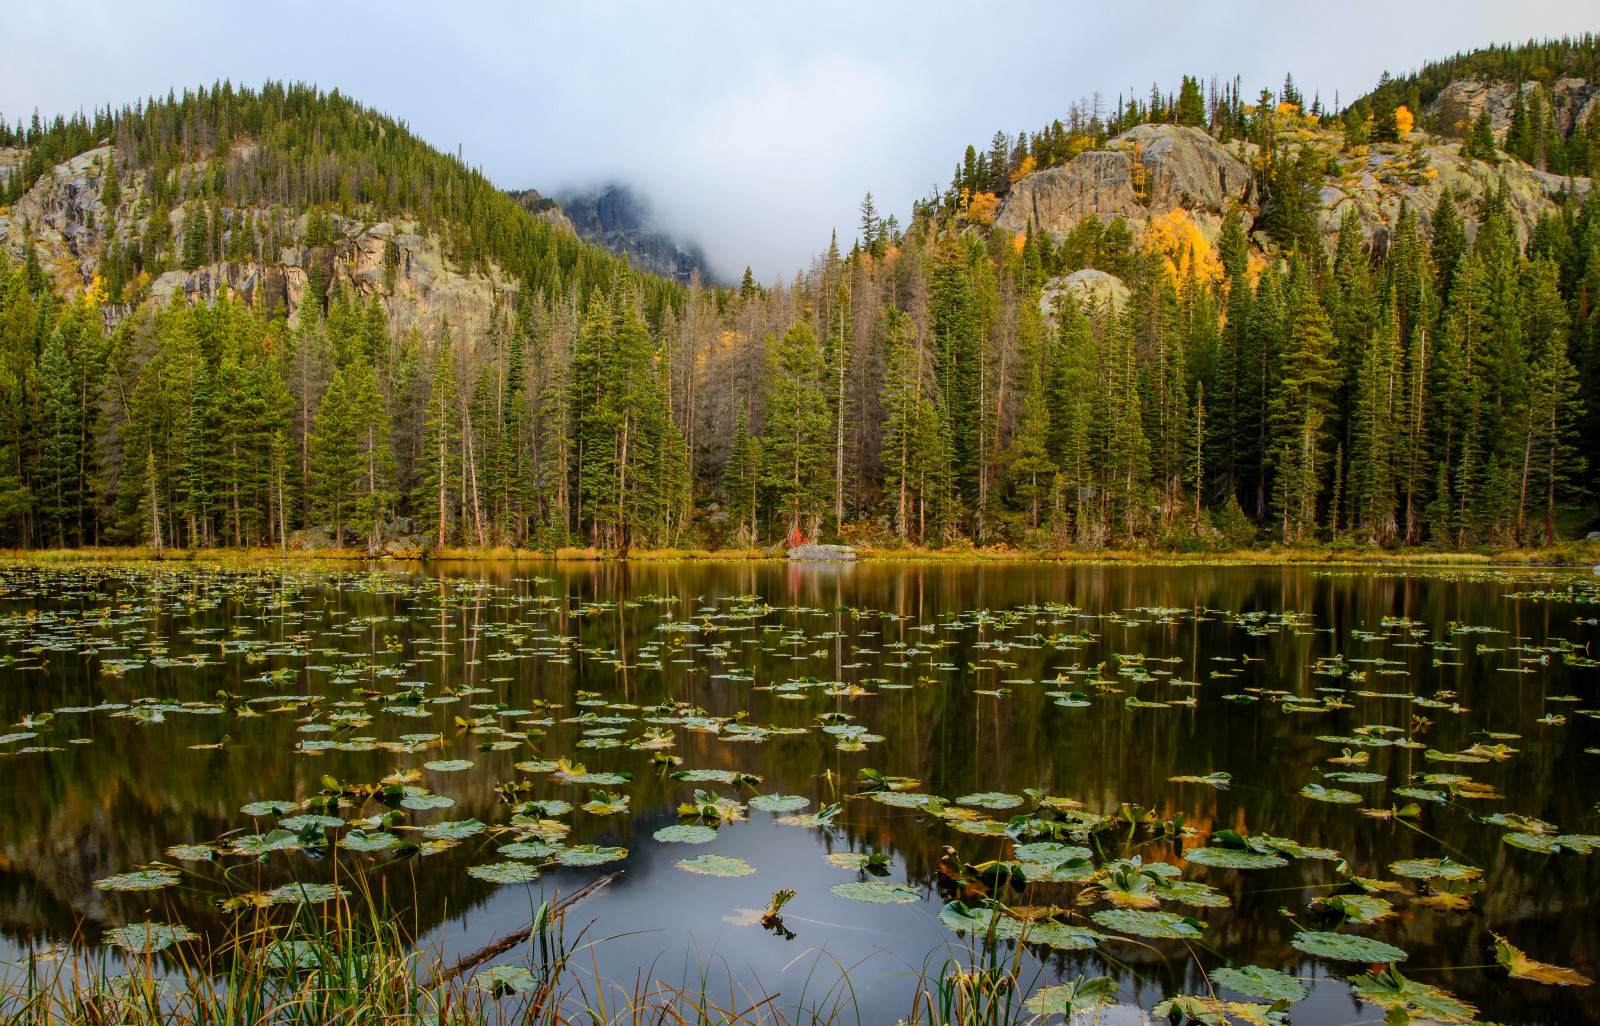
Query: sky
{"type": "Point", "coordinates": [754, 129]}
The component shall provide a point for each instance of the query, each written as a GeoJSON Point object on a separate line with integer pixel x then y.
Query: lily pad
{"type": "Point", "coordinates": [505, 872]}
{"type": "Point", "coordinates": [990, 800]}
{"type": "Point", "coordinates": [1149, 924]}
{"type": "Point", "coordinates": [590, 855]}
{"type": "Point", "coordinates": [1328, 794]}
{"type": "Point", "coordinates": [448, 765]}
{"type": "Point", "coordinates": [360, 840]}
{"type": "Point", "coordinates": [686, 833]}
{"type": "Point", "coordinates": [148, 880]}
{"type": "Point", "coordinates": [148, 938]}
{"type": "Point", "coordinates": [453, 831]}
{"type": "Point", "coordinates": [1346, 947]}
{"type": "Point", "coordinates": [422, 802]}
{"type": "Point", "coordinates": [271, 808]}
{"type": "Point", "coordinates": [716, 865]}
{"type": "Point", "coordinates": [1233, 858]}
{"type": "Point", "coordinates": [876, 893]}
{"type": "Point", "coordinates": [779, 802]}
{"type": "Point", "coordinates": [306, 893]}
{"type": "Point", "coordinates": [1255, 981]}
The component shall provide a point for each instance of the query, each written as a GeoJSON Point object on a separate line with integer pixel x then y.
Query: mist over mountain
{"type": "Point", "coordinates": [618, 219]}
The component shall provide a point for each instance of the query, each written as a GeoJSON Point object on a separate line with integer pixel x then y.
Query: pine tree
{"type": "Point", "coordinates": [796, 440]}
{"type": "Point", "coordinates": [740, 479]}
{"type": "Point", "coordinates": [439, 457]}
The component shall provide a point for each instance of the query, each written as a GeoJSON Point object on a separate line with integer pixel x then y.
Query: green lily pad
{"type": "Point", "coordinates": [1233, 858]}
{"type": "Point", "coordinates": [421, 802]}
{"type": "Point", "coordinates": [1428, 869]}
{"type": "Point", "coordinates": [1080, 995]}
{"type": "Point", "coordinates": [529, 850]}
{"type": "Point", "coordinates": [148, 938]}
{"type": "Point", "coordinates": [505, 872]}
{"type": "Point", "coordinates": [990, 800]}
{"type": "Point", "coordinates": [876, 893]}
{"type": "Point", "coordinates": [686, 833]}
{"type": "Point", "coordinates": [1346, 947]}
{"type": "Point", "coordinates": [299, 823]}
{"type": "Point", "coordinates": [1149, 924]}
{"type": "Point", "coordinates": [505, 979]}
{"type": "Point", "coordinates": [193, 852]}
{"type": "Point", "coordinates": [453, 831]}
{"type": "Point", "coordinates": [267, 808]}
{"type": "Point", "coordinates": [1255, 981]}
{"type": "Point", "coordinates": [148, 880]}
{"type": "Point", "coordinates": [716, 865]}
{"type": "Point", "coordinates": [779, 802]}
{"type": "Point", "coordinates": [306, 893]}
{"type": "Point", "coordinates": [1049, 853]}
{"type": "Point", "coordinates": [590, 855]}
{"type": "Point", "coordinates": [448, 765]}
{"type": "Point", "coordinates": [1327, 794]}
{"type": "Point", "coordinates": [260, 844]}
{"type": "Point", "coordinates": [360, 840]}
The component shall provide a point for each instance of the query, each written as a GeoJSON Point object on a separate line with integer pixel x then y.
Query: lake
{"type": "Point", "coordinates": [1369, 765]}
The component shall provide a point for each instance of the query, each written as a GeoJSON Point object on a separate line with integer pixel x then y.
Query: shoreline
{"type": "Point", "coordinates": [1571, 555]}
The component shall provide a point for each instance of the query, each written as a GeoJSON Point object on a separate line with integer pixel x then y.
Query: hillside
{"type": "Point", "coordinates": [1195, 322]}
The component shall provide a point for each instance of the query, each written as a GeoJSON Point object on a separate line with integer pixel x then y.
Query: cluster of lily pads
{"type": "Point", "coordinates": [1071, 878]}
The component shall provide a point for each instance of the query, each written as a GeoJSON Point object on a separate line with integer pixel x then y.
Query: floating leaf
{"type": "Point", "coordinates": [1346, 946]}
{"type": "Point", "coordinates": [590, 855]}
{"type": "Point", "coordinates": [504, 872]}
{"type": "Point", "coordinates": [876, 893]}
{"type": "Point", "coordinates": [1216, 1012]}
{"type": "Point", "coordinates": [148, 938]}
{"type": "Point", "coordinates": [1255, 981]}
{"type": "Point", "coordinates": [1428, 869]}
{"type": "Point", "coordinates": [1360, 908]}
{"type": "Point", "coordinates": [1324, 794]}
{"type": "Point", "coordinates": [1049, 853]}
{"type": "Point", "coordinates": [421, 802]}
{"type": "Point", "coordinates": [990, 800]}
{"type": "Point", "coordinates": [1080, 995]}
{"type": "Point", "coordinates": [1233, 858]}
{"type": "Point", "coordinates": [273, 808]}
{"type": "Point", "coordinates": [306, 893]}
{"type": "Point", "coordinates": [1149, 924]}
{"type": "Point", "coordinates": [448, 765]}
{"type": "Point", "coordinates": [358, 840]}
{"type": "Point", "coordinates": [453, 831]}
{"type": "Point", "coordinates": [148, 880]}
{"type": "Point", "coordinates": [716, 865]}
{"type": "Point", "coordinates": [1524, 968]}
{"type": "Point", "coordinates": [686, 833]}
{"type": "Point", "coordinates": [1386, 988]}
{"type": "Point", "coordinates": [779, 802]}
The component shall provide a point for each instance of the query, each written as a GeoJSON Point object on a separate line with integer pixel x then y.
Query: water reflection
{"type": "Point", "coordinates": [972, 647]}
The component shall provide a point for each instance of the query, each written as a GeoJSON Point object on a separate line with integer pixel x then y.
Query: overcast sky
{"type": "Point", "coordinates": [754, 128]}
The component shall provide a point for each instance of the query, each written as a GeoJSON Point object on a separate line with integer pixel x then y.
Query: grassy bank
{"type": "Point", "coordinates": [1574, 553]}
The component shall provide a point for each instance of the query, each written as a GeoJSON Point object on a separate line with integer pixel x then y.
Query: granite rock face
{"type": "Point", "coordinates": [67, 221]}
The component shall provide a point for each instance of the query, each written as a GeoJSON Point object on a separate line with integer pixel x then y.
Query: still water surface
{"type": "Point", "coordinates": [1001, 689]}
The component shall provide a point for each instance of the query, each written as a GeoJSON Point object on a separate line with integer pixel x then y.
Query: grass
{"type": "Point", "coordinates": [1565, 553]}
{"type": "Point", "coordinates": [351, 962]}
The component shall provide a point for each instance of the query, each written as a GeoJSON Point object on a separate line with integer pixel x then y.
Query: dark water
{"type": "Point", "coordinates": [119, 790]}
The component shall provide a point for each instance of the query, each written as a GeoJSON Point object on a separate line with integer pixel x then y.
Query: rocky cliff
{"type": "Point", "coordinates": [67, 221]}
{"type": "Point", "coordinates": [1154, 169]}
{"type": "Point", "coordinates": [1458, 104]}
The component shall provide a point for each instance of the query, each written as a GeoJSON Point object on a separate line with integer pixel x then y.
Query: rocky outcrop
{"type": "Point", "coordinates": [1185, 169]}
{"type": "Point", "coordinates": [64, 216]}
{"type": "Point", "coordinates": [1376, 184]}
{"type": "Point", "coordinates": [1456, 108]}
{"type": "Point", "coordinates": [1085, 288]}
{"type": "Point", "coordinates": [1150, 169]}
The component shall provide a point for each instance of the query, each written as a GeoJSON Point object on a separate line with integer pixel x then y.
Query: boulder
{"type": "Point", "coordinates": [1083, 287]}
{"type": "Point", "coordinates": [822, 554]}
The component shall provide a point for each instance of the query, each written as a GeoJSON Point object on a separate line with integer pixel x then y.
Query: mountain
{"type": "Point", "coordinates": [618, 220]}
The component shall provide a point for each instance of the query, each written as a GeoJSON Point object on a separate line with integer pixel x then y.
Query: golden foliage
{"type": "Point", "coordinates": [1404, 120]}
{"type": "Point", "coordinates": [1288, 110]}
{"type": "Point", "coordinates": [1524, 968]}
{"type": "Point", "coordinates": [1026, 168]}
{"type": "Point", "coordinates": [983, 207]}
{"type": "Point", "coordinates": [1184, 251]}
